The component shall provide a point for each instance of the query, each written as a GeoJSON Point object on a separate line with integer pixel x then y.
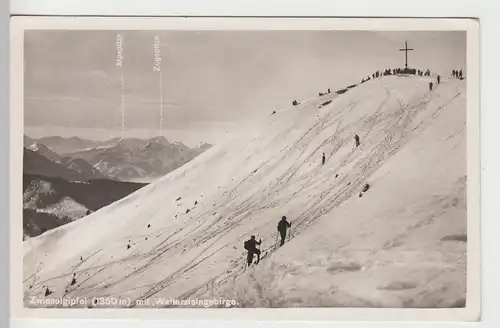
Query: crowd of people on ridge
{"type": "Point", "coordinates": [397, 71]}
{"type": "Point", "coordinates": [458, 74]}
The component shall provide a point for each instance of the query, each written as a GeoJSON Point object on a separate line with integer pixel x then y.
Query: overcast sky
{"type": "Point", "coordinates": [212, 80]}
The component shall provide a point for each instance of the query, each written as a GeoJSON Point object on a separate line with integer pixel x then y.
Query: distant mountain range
{"type": "Point", "coordinates": [129, 159]}
{"type": "Point", "coordinates": [62, 145]}
{"type": "Point", "coordinates": [66, 179]}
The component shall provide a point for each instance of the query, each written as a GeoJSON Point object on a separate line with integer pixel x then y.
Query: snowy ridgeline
{"type": "Point", "coordinates": [401, 243]}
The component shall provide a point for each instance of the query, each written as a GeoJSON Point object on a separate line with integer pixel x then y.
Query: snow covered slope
{"type": "Point", "coordinates": [402, 243]}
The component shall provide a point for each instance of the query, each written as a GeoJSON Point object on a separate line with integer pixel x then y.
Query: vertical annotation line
{"type": "Point", "coordinates": [123, 104]}
{"type": "Point", "coordinates": [119, 63]}
{"type": "Point", "coordinates": [161, 103]}
{"type": "Point", "coordinates": [157, 68]}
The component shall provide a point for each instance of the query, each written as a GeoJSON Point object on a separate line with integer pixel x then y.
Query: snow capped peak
{"type": "Point", "coordinates": [45, 151]}
{"type": "Point", "coordinates": [36, 147]}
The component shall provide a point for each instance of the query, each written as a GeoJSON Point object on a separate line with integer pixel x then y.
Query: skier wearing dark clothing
{"type": "Point", "coordinates": [438, 79]}
{"type": "Point", "coordinates": [282, 225]}
{"type": "Point", "coordinates": [356, 139]}
{"type": "Point", "coordinates": [323, 160]}
{"type": "Point", "coordinates": [430, 86]}
{"type": "Point", "coordinates": [251, 246]}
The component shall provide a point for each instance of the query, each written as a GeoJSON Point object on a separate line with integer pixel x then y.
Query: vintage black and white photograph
{"type": "Point", "coordinates": [245, 169]}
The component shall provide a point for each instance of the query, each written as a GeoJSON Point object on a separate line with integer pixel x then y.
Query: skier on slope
{"type": "Point", "coordinates": [323, 160]}
{"type": "Point", "coordinates": [282, 225]}
{"type": "Point", "coordinates": [73, 282]}
{"type": "Point", "coordinates": [356, 139]}
{"type": "Point", "coordinates": [251, 246]}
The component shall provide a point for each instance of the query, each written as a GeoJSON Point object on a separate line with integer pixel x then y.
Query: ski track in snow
{"type": "Point", "coordinates": [200, 252]}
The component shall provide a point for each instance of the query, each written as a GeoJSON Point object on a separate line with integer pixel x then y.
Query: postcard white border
{"type": "Point", "coordinates": [292, 8]}
{"type": "Point", "coordinates": [470, 313]}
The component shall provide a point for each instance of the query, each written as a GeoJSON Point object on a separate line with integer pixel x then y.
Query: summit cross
{"type": "Point", "coordinates": [406, 53]}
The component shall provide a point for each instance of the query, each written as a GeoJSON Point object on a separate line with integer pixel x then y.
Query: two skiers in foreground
{"type": "Point", "coordinates": [251, 244]}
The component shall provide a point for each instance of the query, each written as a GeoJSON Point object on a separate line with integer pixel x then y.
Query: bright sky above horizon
{"type": "Point", "coordinates": [213, 81]}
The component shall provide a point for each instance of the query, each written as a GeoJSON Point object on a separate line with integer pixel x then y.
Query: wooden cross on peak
{"type": "Point", "coordinates": [406, 53]}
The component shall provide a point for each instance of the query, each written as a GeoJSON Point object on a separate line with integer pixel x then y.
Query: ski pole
{"type": "Point", "coordinates": [258, 256]}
